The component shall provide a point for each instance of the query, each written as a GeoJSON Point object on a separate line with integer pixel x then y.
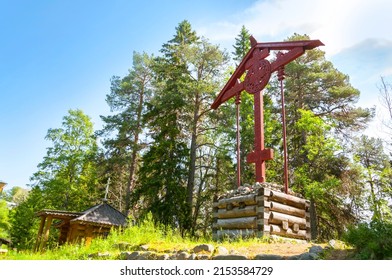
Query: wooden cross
{"type": "Point", "coordinates": [258, 72]}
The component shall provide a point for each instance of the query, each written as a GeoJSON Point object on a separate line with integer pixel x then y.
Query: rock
{"type": "Point", "coordinates": [144, 247]}
{"type": "Point", "coordinates": [163, 257]}
{"type": "Point", "coordinates": [204, 248]}
{"type": "Point", "coordinates": [332, 243]}
{"type": "Point", "coordinates": [99, 255]}
{"type": "Point", "coordinates": [268, 257]}
{"type": "Point", "coordinates": [146, 256]}
{"type": "Point", "coordinates": [336, 244]}
{"type": "Point", "coordinates": [316, 250]}
{"type": "Point", "coordinates": [203, 257]}
{"type": "Point", "coordinates": [230, 257]}
{"type": "Point", "coordinates": [294, 257]}
{"type": "Point", "coordinates": [130, 255]}
{"type": "Point", "coordinates": [308, 256]}
{"type": "Point", "coordinates": [192, 257]}
{"type": "Point", "coordinates": [183, 256]}
{"type": "Point", "coordinates": [142, 258]}
{"type": "Point", "coordinates": [221, 251]}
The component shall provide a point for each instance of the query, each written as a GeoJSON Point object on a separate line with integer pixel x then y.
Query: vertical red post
{"type": "Point", "coordinates": [260, 154]}
{"type": "Point", "coordinates": [238, 102]}
{"type": "Point", "coordinates": [285, 168]}
{"type": "Point", "coordinates": [259, 135]}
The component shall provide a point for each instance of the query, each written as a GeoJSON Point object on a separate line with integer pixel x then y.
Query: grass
{"type": "Point", "coordinates": [159, 240]}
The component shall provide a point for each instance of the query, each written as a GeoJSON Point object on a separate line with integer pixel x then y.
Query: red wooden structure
{"type": "Point", "coordinates": [258, 72]}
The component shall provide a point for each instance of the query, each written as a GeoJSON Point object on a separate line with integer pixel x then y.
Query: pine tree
{"type": "Point", "coordinates": [187, 77]}
{"type": "Point", "coordinates": [242, 45]}
{"type": "Point", "coordinates": [123, 130]}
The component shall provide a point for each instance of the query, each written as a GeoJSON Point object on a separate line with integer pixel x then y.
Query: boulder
{"type": "Point", "coordinates": [268, 257]}
{"type": "Point", "coordinates": [316, 249]}
{"type": "Point", "coordinates": [221, 251]}
{"type": "Point", "coordinates": [230, 257]}
{"type": "Point", "coordinates": [204, 248]}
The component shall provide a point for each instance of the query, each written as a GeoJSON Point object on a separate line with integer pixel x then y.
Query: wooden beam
{"type": "Point", "coordinates": [280, 219]}
{"type": "Point", "coordinates": [277, 230]}
{"type": "Point", "coordinates": [288, 199]}
{"type": "Point", "coordinates": [46, 232]}
{"type": "Point", "coordinates": [236, 212]}
{"type": "Point", "coordinates": [88, 235]}
{"type": "Point", "coordinates": [237, 223]}
{"type": "Point", "coordinates": [286, 209]}
{"type": "Point", "coordinates": [249, 199]}
{"type": "Point", "coordinates": [39, 235]}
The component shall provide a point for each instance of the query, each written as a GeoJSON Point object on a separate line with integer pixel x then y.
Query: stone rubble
{"type": "Point", "coordinates": [249, 189]}
{"type": "Point", "coordinates": [207, 252]}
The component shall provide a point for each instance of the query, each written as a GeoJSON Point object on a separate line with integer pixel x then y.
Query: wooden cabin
{"type": "Point", "coordinates": [78, 226]}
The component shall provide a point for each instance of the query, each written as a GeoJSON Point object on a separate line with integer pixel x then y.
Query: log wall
{"type": "Point", "coordinates": [262, 212]}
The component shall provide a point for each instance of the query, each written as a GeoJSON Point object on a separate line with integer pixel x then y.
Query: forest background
{"type": "Point", "coordinates": [166, 152]}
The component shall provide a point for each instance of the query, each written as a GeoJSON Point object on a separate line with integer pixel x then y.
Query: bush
{"type": "Point", "coordinates": [371, 241]}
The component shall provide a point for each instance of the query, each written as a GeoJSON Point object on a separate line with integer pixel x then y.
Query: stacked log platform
{"type": "Point", "coordinates": [261, 211]}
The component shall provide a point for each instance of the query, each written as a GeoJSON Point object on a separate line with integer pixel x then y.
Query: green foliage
{"type": "Point", "coordinates": [371, 240]}
{"type": "Point", "coordinates": [67, 178]}
{"type": "Point", "coordinates": [4, 219]}
{"type": "Point", "coordinates": [25, 224]}
{"type": "Point", "coordinates": [375, 178]}
{"type": "Point", "coordinates": [67, 175]}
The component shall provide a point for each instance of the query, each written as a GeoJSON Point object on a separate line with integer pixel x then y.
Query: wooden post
{"type": "Point", "coordinates": [46, 232]}
{"type": "Point", "coordinates": [39, 235]}
{"type": "Point", "coordinates": [89, 235]}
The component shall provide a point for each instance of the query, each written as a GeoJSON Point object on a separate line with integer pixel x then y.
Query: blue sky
{"type": "Point", "coordinates": [60, 55]}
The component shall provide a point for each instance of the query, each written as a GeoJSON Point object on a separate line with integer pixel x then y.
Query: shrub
{"type": "Point", "coordinates": [371, 240]}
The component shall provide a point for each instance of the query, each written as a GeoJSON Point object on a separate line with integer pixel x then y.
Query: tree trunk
{"type": "Point", "coordinates": [313, 220]}
{"type": "Point", "coordinates": [192, 160]}
{"type": "Point", "coordinates": [134, 156]}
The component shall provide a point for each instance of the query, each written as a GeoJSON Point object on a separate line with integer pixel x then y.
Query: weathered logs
{"type": "Point", "coordinates": [237, 223]}
{"type": "Point", "coordinates": [286, 209]}
{"type": "Point", "coordinates": [277, 230]}
{"type": "Point", "coordinates": [263, 212]}
{"type": "Point", "coordinates": [236, 212]}
{"type": "Point", "coordinates": [281, 219]}
{"type": "Point", "coordinates": [287, 199]}
{"type": "Point", "coordinates": [236, 201]}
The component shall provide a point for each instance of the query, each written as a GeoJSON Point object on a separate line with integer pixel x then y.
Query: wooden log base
{"type": "Point", "coordinates": [236, 212]}
{"type": "Point", "coordinates": [264, 212]}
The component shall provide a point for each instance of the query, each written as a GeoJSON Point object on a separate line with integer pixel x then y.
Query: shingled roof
{"type": "Point", "coordinates": [102, 214]}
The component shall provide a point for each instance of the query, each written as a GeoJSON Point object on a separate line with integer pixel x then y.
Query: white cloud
{"type": "Point", "coordinates": [339, 24]}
